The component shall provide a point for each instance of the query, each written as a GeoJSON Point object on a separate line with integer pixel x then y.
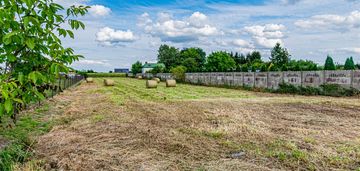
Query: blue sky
{"type": "Point", "coordinates": [121, 32]}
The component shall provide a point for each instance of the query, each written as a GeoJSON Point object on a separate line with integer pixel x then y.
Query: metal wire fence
{"type": "Point", "coordinates": [63, 83]}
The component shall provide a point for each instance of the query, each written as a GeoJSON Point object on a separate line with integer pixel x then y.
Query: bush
{"type": "Point", "coordinates": [325, 90]}
{"type": "Point", "coordinates": [309, 91]}
{"type": "Point", "coordinates": [106, 75]}
{"type": "Point", "coordinates": [288, 88]}
{"type": "Point", "coordinates": [179, 73]}
{"type": "Point", "coordinates": [338, 91]}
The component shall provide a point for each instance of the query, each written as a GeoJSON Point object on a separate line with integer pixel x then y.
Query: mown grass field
{"type": "Point", "coordinates": [129, 127]}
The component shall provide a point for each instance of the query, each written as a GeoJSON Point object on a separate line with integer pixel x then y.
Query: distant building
{"type": "Point", "coordinates": [149, 66]}
{"type": "Point", "coordinates": [121, 70]}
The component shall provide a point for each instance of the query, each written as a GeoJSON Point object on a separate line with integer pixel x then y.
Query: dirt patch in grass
{"type": "Point", "coordinates": [199, 132]}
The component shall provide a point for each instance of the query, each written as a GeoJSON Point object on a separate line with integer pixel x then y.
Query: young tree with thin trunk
{"type": "Point", "coordinates": [31, 50]}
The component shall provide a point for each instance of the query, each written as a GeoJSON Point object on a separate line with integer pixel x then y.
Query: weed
{"type": "Point", "coordinates": [97, 118]}
{"type": "Point", "coordinates": [19, 150]}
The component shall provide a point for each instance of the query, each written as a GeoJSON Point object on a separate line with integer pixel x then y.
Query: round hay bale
{"type": "Point", "coordinates": [139, 77]}
{"type": "Point", "coordinates": [151, 84]}
{"type": "Point", "coordinates": [108, 82]}
{"type": "Point", "coordinates": [89, 80]}
{"type": "Point", "coordinates": [170, 83]}
{"type": "Point", "coordinates": [156, 79]}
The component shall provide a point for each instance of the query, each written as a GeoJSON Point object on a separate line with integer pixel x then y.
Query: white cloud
{"type": "Point", "coordinates": [267, 35]}
{"type": "Point", "coordinates": [242, 43]}
{"type": "Point", "coordinates": [198, 19]}
{"type": "Point", "coordinates": [68, 3]}
{"type": "Point", "coordinates": [351, 50]}
{"type": "Point", "coordinates": [109, 37]}
{"type": "Point", "coordinates": [92, 62]}
{"type": "Point", "coordinates": [329, 21]}
{"type": "Point", "coordinates": [168, 29]}
{"type": "Point", "coordinates": [99, 11]}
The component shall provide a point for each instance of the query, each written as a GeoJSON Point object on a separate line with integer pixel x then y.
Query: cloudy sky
{"type": "Point", "coordinates": [118, 33]}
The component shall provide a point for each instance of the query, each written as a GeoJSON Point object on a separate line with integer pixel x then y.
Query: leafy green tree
{"type": "Point", "coordinates": [240, 59]}
{"type": "Point", "coordinates": [191, 65]}
{"type": "Point", "coordinates": [157, 69]}
{"type": "Point", "coordinates": [301, 65]}
{"type": "Point", "coordinates": [349, 64]}
{"type": "Point", "coordinates": [273, 67]}
{"type": "Point", "coordinates": [329, 64]}
{"type": "Point", "coordinates": [136, 67]}
{"type": "Point", "coordinates": [279, 56]}
{"type": "Point", "coordinates": [193, 59]}
{"type": "Point", "coordinates": [31, 51]}
{"type": "Point", "coordinates": [169, 56]}
{"type": "Point", "coordinates": [220, 61]}
{"type": "Point", "coordinates": [253, 56]}
{"type": "Point", "coordinates": [179, 73]}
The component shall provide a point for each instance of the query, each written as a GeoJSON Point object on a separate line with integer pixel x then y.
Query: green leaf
{"type": "Point", "coordinates": [5, 94]}
{"type": "Point", "coordinates": [11, 58]}
{"type": "Point", "coordinates": [71, 34]}
{"type": "Point", "coordinates": [21, 77]}
{"type": "Point", "coordinates": [32, 76]}
{"type": "Point", "coordinates": [8, 105]}
{"type": "Point", "coordinates": [39, 95]}
{"type": "Point", "coordinates": [2, 109]}
{"type": "Point", "coordinates": [18, 100]}
{"type": "Point", "coordinates": [30, 43]}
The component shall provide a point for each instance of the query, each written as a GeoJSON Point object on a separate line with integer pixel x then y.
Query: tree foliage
{"type": "Point", "coordinates": [279, 56]}
{"type": "Point", "coordinates": [31, 50]}
{"type": "Point", "coordinates": [329, 64]}
{"type": "Point", "coordinates": [179, 73]}
{"type": "Point", "coordinates": [220, 61]}
{"type": "Point", "coordinates": [157, 69]}
{"type": "Point", "coordinates": [349, 64]}
{"type": "Point", "coordinates": [136, 67]}
{"type": "Point", "coordinates": [254, 56]}
{"type": "Point", "coordinates": [169, 56]}
{"type": "Point", "coordinates": [193, 59]}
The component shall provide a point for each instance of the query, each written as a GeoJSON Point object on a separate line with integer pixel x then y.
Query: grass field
{"type": "Point", "coordinates": [129, 127]}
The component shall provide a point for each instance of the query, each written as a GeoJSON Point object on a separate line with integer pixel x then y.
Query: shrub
{"type": "Point", "coordinates": [309, 91]}
{"type": "Point", "coordinates": [325, 90]}
{"type": "Point", "coordinates": [338, 91]}
{"type": "Point", "coordinates": [288, 88]}
{"type": "Point", "coordinates": [179, 73]}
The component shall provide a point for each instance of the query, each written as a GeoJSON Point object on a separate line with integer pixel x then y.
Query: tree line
{"type": "Point", "coordinates": [194, 59]}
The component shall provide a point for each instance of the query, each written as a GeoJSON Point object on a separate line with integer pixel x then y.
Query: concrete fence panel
{"type": "Point", "coordinates": [249, 79]}
{"type": "Point", "coordinates": [293, 78]}
{"type": "Point", "coordinates": [342, 78]}
{"type": "Point", "coordinates": [356, 79]}
{"type": "Point", "coordinates": [261, 79]}
{"type": "Point", "coordinates": [195, 79]}
{"type": "Point", "coordinates": [213, 78]}
{"type": "Point", "coordinates": [201, 79]}
{"type": "Point", "coordinates": [207, 77]}
{"type": "Point", "coordinates": [238, 79]}
{"type": "Point", "coordinates": [220, 76]}
{"type": "Point", "coordinates": [189, 77]}
{"type": "Point", "coordinates": [312, 78]}
{"type": "Point", "coordinates": [229, 79]}
{"type": "Point", "coordinates": [275, 79]}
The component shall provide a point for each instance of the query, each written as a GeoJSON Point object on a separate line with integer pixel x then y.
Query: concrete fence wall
{"type": "Point", "coordinates": [273, 79]}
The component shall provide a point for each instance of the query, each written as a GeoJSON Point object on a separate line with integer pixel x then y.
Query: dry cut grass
{"type": "Point", "coordinates": [129, 127]}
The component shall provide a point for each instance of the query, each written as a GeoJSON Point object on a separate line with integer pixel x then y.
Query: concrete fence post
{"type": "Point", "coordinates": [352, 79]}
{"type": "Point", "coordinates": [301, 79]}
